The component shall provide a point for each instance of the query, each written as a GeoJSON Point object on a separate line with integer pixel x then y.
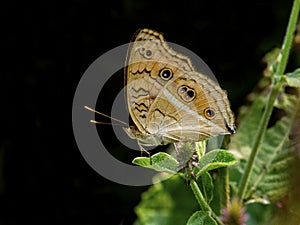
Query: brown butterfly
{"type": "Point", "coordinates": [167, 99]}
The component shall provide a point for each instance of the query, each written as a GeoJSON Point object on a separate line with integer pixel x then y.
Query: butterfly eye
{"type": "Point", "coordinates": [209, 113]}
{"type": "Point", "coordinates": [166, 74]}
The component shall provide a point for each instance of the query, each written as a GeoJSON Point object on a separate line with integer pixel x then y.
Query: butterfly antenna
{"type": "Point", "coordinates": [97, 122]}
{"type": "Point", "coordinates": [102, 114]}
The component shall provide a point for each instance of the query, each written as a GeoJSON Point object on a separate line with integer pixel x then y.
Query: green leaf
{"type": "Point", "coordinates": [207, 187]}
{"type": "Point", "coordinates": [167, 203]}
{"type": "Point", "coordinates": [200, 148]}
{"type": "Point", "coordinates": [271, 175]}
{"type": "Point", "coordinates": [270, 178]}
{"type": "Point", "coordinates": [271, 59]}
{"type": "Point", "coordinates": [293, 79]}
{"type": "Point", "coordinates": [241, 142]}
{"type": "Point", "coordinates": [215, 159]}
{"type": "Point", "coordinates": [161, 162]}
{"type": "Point", "coordinates": [275, 181]}
{"type": "Point", "coordinates": [201, 218]}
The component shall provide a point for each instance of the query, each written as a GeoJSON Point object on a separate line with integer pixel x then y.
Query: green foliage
{"type": "Point", "coordinates": [167, 203]}
{"type": "Point", "coordinates": [271, 175]}
{"type": "Point", "coordinates": [161, 162]}
{"type": "Point", "coordinates": [215, 159]}
{"type": "Point", "coordinates": [293, 79]}
{"type": "Point", "coordinates": [201, 218]}
{"type": "Point", "coordinates": [158, 206]}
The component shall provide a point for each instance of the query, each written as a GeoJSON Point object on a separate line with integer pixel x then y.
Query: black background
{"type": "Point", "coordinates": [46, 46]}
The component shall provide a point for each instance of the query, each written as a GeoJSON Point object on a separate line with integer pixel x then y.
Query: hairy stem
{"type": "Point", "coordinates": [203, 204]}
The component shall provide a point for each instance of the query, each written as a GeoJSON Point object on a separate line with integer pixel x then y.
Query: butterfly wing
{"type": "Point", "coordinates": [149, 63]}
{"type": "Point", "coordinates": [191, 107]}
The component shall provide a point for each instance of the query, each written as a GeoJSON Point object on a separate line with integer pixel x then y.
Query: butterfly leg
{"type": "Point", "coordinates": [144, 150]}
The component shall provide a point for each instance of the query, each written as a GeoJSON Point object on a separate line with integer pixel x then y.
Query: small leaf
{"type": "Point", "coordinates": [200, 148]}
{"type": "Point", "coordinates": [201, 218]}
{"type": "Point", "coordinates": [215, 159]}
{"type": "Point", "coordinates": [271, 59]}
{"type": "Point", "coordinates": [161, 162]}
{"type": "Point", "coordinates": [207, 186]}
{"type": "Point", "coordinates": [293, 79]}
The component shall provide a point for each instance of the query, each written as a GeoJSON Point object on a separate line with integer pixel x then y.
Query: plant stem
{"type": "Point", "coordinates": [225, 194]}
{"type": "Point", "coordinates": [288, 39]}
{"type": "Point", "coordinates": [275, 88]}
{"type": "Point", "coordinates": [203, 204]}
{"type": "Point", "coordinates": [258, 140]}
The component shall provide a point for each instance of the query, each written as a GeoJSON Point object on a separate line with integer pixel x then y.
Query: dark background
{"type": "Point", "coordinates": [46, 46]}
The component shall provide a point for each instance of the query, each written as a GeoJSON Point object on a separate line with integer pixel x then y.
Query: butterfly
{"type": "Point", "coordinates": [168, 100]}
